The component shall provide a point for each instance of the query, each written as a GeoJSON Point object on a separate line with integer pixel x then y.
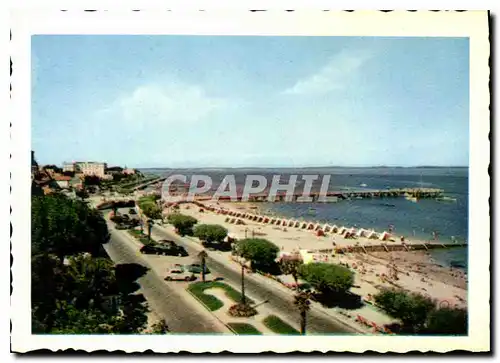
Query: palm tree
{"type": "Point", "coordinates": [202, 256]}
{"type": "Point", "coordinates": [243, 298]}
{"type": "Point", "coordinates": [150, 227]}
{"type": "Point", "coordinates": [302, 301]}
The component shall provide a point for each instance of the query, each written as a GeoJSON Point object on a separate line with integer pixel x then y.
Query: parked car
{"type": "Point", "coordinates": [132, 211]}
{"type": "Point", "coordinates": [122, 226]}
{"type": "Point", "coordinates": [165, 250]}
{"type": "Point", "coordinates": [126, 217]}
{"type": "Point", "coordinates": [196, 268]}
{"type": "Point", "coordinates": [179, 273]}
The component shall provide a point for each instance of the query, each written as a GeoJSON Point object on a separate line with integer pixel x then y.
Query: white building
{"type": "Point", "coordinates": [92, 168]}
{"type": "Point", "coordinates": [71, 167]}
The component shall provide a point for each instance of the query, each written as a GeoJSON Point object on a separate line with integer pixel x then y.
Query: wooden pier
{"type": "Point", "coordinates": [333, 196]}
{"type": "Point", "coordinates": [392, 247]}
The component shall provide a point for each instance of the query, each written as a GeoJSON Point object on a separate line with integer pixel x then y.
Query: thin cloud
{"type": "Point", "coordinates": [174, 102]}
{"type": "Point", "coordinates": [334, 75]}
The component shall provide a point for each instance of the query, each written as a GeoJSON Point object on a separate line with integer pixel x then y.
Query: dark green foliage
{"type": "Point", "coordinates": [261, 252]}
{"type": "Point", "coordinates": [160, 327]}
{"type": "Point", "coordinates": [327, 278]}
{"type": "Point", "coordinates": [149, 207]}
{"type": "Point", "coordinates": [184, 224]}
{"type": "Point", "coordinates": [63, 227]}
{"type": "Point", "coordinates": [91, 180]}
{"type": "Point", "coordinates": [71, 286]}
{"type": "Point", "coordinates": [210, 232]}
{"type": "Point", "coordinates": [279, 326]}
{"type": "Point", "coordinates": [244, 329]}
{"type": "Point", "coordinates": [411, 308]}
{"type": "Point", "coordinates": [447, 321]}
{"type": "Point", "coordinates": [82, 194]}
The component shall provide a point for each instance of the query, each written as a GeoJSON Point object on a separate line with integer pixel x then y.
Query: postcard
{"type": "Point", "coordinates": [289, 181]}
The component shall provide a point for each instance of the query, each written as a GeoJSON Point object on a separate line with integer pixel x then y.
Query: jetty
{"type": "Point", "coordinates": [386, 247]}
{"type": "Point", "coordinates": [333, 196]}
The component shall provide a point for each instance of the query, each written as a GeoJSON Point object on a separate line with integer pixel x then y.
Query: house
{"type": "Point", "coordinates": [62, 180]}
{"type": "Point", "coordinates": [128, 171]}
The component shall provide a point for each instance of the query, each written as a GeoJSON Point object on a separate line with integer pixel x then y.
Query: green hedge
{"type": "Point", "coordinates": [279, 326]}
{"type": "Point", "coordinates": [211, 301]}
{"type": "Point", "coordinates": [244, 329]}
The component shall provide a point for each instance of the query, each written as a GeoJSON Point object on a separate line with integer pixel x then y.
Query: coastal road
{"type": "Point", "coordinates": [171, 302]}
{"type": "Point", "coordinates": [318, 322]}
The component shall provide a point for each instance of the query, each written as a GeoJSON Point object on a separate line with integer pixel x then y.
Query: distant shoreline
{"type": "Point", "coordinates": [301, 167]}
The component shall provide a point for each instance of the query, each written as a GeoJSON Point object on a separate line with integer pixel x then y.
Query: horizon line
{"type": "Point", "coordinates": [308, 167]}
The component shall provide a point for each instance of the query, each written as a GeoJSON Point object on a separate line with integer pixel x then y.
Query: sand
{"type": "Point", "coordinates": [413, 271]}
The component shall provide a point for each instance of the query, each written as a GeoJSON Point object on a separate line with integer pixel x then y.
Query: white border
{"type": "Point", "coordinates": [219, 22]}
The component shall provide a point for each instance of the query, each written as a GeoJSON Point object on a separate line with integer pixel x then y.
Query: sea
{"type": "Point", "coordinates": [422, 219]}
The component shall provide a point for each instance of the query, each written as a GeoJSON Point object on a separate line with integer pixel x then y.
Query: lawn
{"type": "Point", "coordinates": [211, 301]}
{"type": "Point", "coordinates": [244, 329]}
{"type": "Point", "coordinates": [279, 326]}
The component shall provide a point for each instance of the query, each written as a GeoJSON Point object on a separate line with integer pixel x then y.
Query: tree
{"type": "Point", "coordinates": [291, 267]}
{"type": "Point", "coordinates": [261, 252]}
{"type": "Point", "coordinates": [160, 327]}
{"type": "Point", "coordinates": [114, 207]}
{"type": "Point", "coordinates": [82, 194]}
{"type": "Point", "coordinates": [302, 301]}
{"type": "Point", "coordinates": [210, 232]}
{"type": "Point", "coordinates": [151, 209]}
{"type": "Point", "coordinates": [447, 321]}
{"type": "Point", "coordinates": [411, 308]}
{"type": "Point", "coordinates": [243, 297]}
{"type": "Point", "coordinates": [63, 226]}
{"type": "Point", "coordinates": [327, 278]}
{"type": "Point", "coordinates": [184, 224]}
{"type": "Point", "coordinates": [203, 260]}
{"type": "Point", "coordinates": [150, 224]}
{"type": "Point", "coordinates": [89, 180]}
{"type": "Point", "coordinates": [90, 280]}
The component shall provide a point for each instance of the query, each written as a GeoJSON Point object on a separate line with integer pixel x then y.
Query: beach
{"type": "Point", "coordinates": [413, 271]}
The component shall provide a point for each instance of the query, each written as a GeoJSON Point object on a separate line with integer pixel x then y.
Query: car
{"type": "Point", "coordinates": [196, 268]}
{"type": "Point", "coordinates": [159, 249]}
{"type": "Point", "coordinates": [179, 273]}
{"type": "Point", "coordinates": [126, 217]}
{"type": "Point", "coordinates": [121, 226]}
{"type": "Point", "coordinates": [132, 211]}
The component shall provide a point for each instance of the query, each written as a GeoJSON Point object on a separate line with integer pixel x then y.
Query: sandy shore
{"type": "Point", "coordinates": [413, 271]}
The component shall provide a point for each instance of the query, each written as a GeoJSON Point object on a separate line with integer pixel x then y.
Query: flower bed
{"type": "Point", "coordinates": [279, 326]}
{"type": "Point", "coordinates": [242, 311]}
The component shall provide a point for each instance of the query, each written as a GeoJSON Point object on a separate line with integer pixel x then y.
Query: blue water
{"type": "Point", "coordinates": [419, 219]}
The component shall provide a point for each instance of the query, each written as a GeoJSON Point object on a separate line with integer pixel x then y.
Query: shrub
{"type": "Point", "coordinates": [411, 308]}
{"type": "Point", "coordinates": [447, 321]}
{"type": "Point", "coordinates": [260, 252]}
{"type": "Point", "coordinates": [184, 224]}
{"type": "Point", "coordinates": [210, 232]}
{"type": "Point", "coordinates": [327, 278]}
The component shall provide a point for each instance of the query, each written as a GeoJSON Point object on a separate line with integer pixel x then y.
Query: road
{"type": "Point", "coordinates": [170, 302]}
{"type": "Point", "coordinates": [318, 322]}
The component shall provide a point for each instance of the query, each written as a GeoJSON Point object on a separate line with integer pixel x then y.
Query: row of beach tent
{"type": "Point", "coordinates": [325, 228]}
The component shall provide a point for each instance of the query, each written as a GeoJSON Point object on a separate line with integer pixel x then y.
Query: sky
{"type": "Point", "coordinates": [213, 101]}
